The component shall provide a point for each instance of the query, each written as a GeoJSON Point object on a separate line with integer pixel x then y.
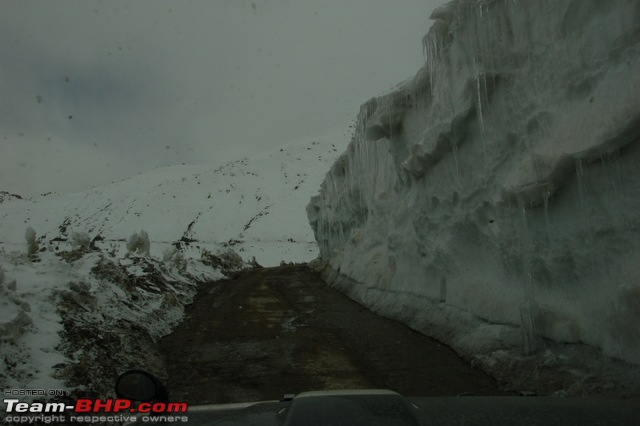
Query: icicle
{"type": "Point", "coordinates": [480, 116]}
{"type": "Point", "coordinates": [546, 197]}
{"type": "Point", "coordinates": [478, 57]}
{"type": "Point", "coordinates": [443, 290]}
{"type": "Point", "coordinates": [529, 311]}
{"type": "Point", "coordinates": [529, 317]}
{"type": "Point", "coordinates": [431, 71]}
{"type": "Point", "coordinates": [618, 175]}
{"type": "Point", "coordinates": [582, 190]}
{"type": "Point", "coordinates": [613, 178]}
{"type": "Point", "coordinates": [525, 246]}
{"type": "Point", "coordinates": [454, 149]}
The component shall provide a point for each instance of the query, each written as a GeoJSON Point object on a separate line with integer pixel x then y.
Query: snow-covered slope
{"type": "Point", "coordinates": [82, 305]}
{"type": "Point", "coordinates": [493, 200]}
{"type": "Point", "coordinates": [256, 205]}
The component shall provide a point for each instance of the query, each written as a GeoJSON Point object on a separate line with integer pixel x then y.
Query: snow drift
{"type": "Point", "coordinates": [493, 200]}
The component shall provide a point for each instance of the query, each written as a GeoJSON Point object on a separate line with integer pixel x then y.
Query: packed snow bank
{"type": "Point", "coordinates": [493, 200]}
{"type": "Point", "coordinates": [74, 320]}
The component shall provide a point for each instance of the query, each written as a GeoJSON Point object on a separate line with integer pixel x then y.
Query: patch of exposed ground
{"type": "Point", "coordinates": [270, 332]}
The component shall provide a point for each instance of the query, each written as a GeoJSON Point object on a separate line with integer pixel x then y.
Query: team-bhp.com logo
{"type": "Point", "coordinates": [86, 410]}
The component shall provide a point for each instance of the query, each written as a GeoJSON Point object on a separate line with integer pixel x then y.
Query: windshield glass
{"type": "Point", "coordinates": [241, 200]}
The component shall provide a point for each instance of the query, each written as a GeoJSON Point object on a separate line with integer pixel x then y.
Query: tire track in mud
{"type": "Point", "coordinates": [273, 331]}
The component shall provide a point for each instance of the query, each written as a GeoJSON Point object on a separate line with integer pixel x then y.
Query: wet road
{"type": "Point", "coordinates": [282, 330]}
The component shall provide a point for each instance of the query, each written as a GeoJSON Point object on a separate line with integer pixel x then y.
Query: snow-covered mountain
{"type": "Point", "coordinates": [255, 205]}
{"type": "Point", "coordinates": [108, 271]}
{"type": "Point", "coordinates": [493, 201]}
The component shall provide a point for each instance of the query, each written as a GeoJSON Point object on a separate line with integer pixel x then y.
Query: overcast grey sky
{"type": "Point", "coordinates": [93, 91]}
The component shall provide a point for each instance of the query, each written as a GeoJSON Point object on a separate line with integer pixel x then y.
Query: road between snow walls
{"type": "Point", "coordinates": [269, 332]}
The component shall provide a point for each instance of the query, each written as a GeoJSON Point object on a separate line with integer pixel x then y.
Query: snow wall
{"type": "Point", "coordinates": [493, 201]}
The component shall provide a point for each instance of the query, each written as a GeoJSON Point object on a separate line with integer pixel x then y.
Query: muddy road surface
{"type": "Point", "coordinates": [277, 331]}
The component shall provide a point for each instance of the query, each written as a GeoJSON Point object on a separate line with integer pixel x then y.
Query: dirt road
{"type": "Point", "coordinates": [283, 330]}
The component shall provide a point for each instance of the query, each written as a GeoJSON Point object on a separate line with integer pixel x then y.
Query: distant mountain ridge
{"type": "Point", "coordinates": [255, 204]}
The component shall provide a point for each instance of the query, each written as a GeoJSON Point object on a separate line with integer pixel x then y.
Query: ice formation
{"type": "Point", "coordinates": [493, 200]}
